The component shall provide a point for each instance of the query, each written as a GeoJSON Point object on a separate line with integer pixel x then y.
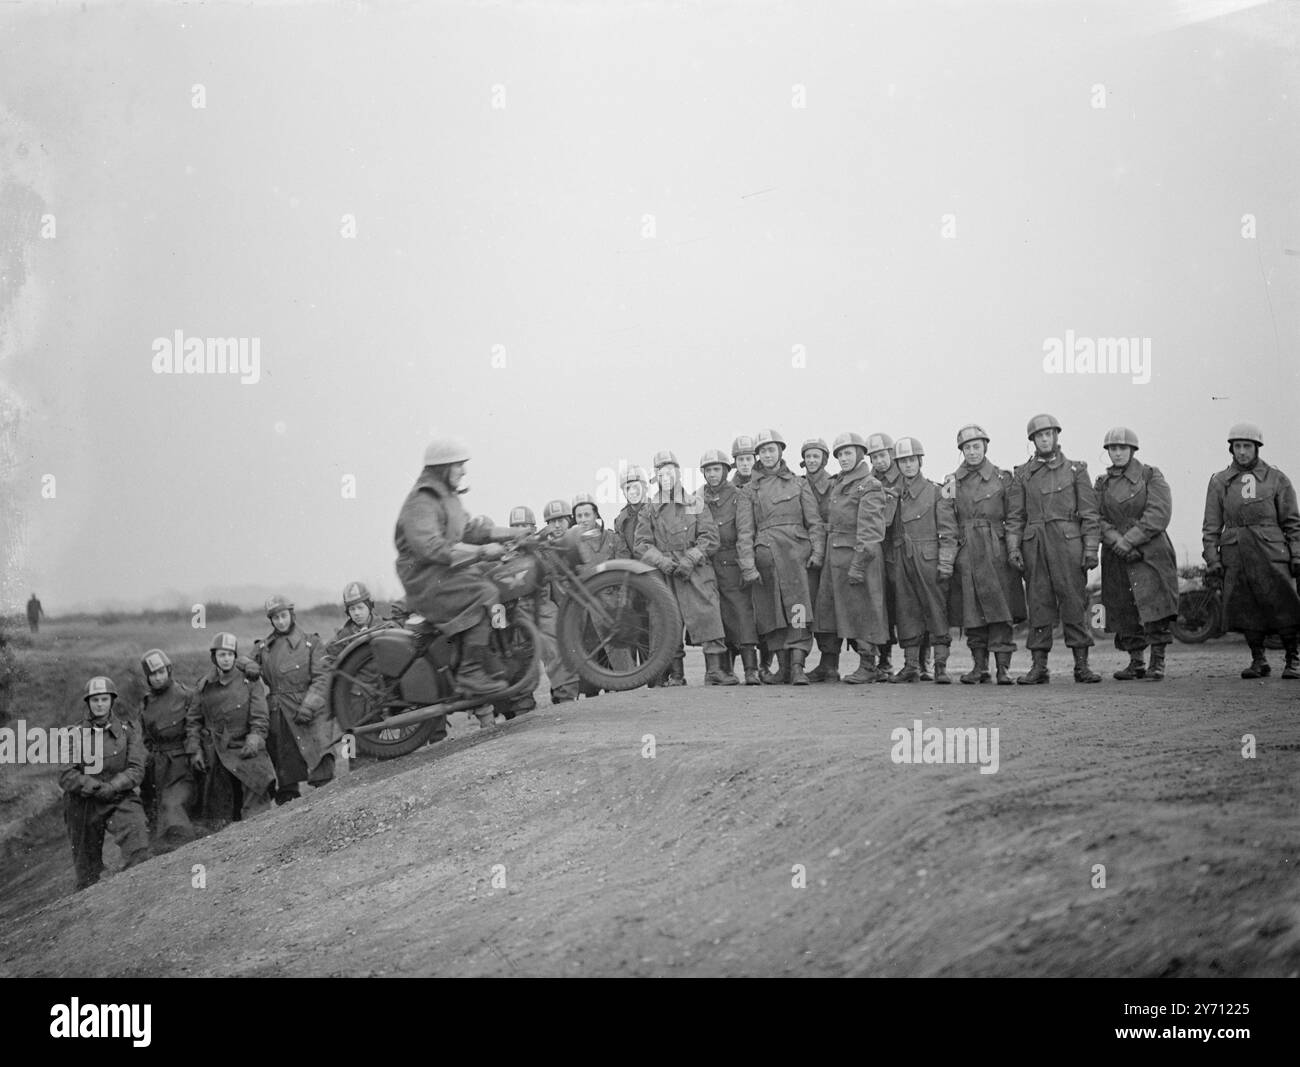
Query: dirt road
{"type": "Point", "coordinates": [558, 845]}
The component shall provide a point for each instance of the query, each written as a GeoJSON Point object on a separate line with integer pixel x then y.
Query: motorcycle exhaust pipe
{"type": "Point", "coordinates": [408, 718]}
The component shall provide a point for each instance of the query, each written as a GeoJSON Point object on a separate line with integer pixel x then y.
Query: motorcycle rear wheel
{"type": "Point", "coordinates": [1198, 617]}
{"type": "Point", "coordinates": [361, 693]}
{"type": "Point", "coordinates": [635, 641]}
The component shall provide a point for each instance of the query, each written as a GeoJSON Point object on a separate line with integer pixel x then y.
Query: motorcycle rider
{"type": "Point", "coordinates": [1053, 532]}
{"type": "Point", "coordinates": [301, 730]}
{"type": "Point", "coordinates": [676, 533]}
{"type": "Point", "coordinates": [1139, 569]}
{"type": "Point", "coordinates": [920, 532]}
{"type": "Point", "coordinates": [987, 594]}
{"type": "Point", "coordinates": [436, 542]}
{"type": "Point", "coordinates": [107, 798]}
{"type": "Point", "coordinates": [1251, 539]}
{"type": "Point", "coordinates": [788, 536]}
{"type": "Point", "coordinates": [851, 595]}
{"type": "Point", "coordinates": [734, 599]}
{"type": "Point", "coordinates": [226, 724]}
{"type": "Point", "coordinates": [169, 778]}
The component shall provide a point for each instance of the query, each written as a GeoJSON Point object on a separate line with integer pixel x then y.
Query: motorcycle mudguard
{"type": "Point", "coordinates": [420, 684]}
{"type": "Point", "coordinates": [635, 566]}
{"type": "Point", "coordinates": [393, 651]}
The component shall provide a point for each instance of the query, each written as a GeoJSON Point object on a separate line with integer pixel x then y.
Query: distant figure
{"type": "Point", "coordinates": [34, 613]}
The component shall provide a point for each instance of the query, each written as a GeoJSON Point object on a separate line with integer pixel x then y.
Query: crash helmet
{"type": "Point", "coordinates": [715, 456]}
{"type": "Point", "coordinates": [278, 602]}
{"type": "Point", "coordinates": [154, 660]}
{"type": "Point", "coordinates": [664, 458]}
{"type": "Point", "coordinates": [583, 498]}
{"type": "Point", "coordinates": [814, 442]}
{"type": "Point", "coordinates": [636, 474]}
{"type": "Point", "coordinates": [224, 642]}
{"type": "Point", "coordinates": [357, 593]}
{"type": "Point", "coordinates": [522, 516]}
{"type": "Point", "coordinates": [908, 446]}
{"type": "Point", "coordinates": [98, 686]}
{"type": "Point", "coordinates": [1042, 422]}
{"type": "Point", "coordinates": [1246, 431]}
{"type": "Point", "coordinates": [1120, 435]}
{"type": "Point", "coordinates": [555, 509]}
{"type": "Point", "coordinates": [880, 442]}
{"type": "Point", "coordinates": [971, 432]}
{"type": "Point", "coordinates": [743, 446]}
{"type": "Point", "coordinates": [444, 450]}
{"type": "Point", "coordinates": [768, 437]}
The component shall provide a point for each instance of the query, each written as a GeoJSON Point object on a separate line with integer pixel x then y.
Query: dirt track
{"type": "Point", "coordinates": [681, 864]}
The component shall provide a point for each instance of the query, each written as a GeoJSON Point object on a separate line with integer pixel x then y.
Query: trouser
{"type": "Point", "coordinates": [1152, 633]}
{"type": "Point", "coordinates": [1255, 638]}
{"type": "Point", "coordinates": [789, 637]}
{"type": "Point", "coordinates": [1077, 635]}
{"type": "Point", "coordinates": [562, 680]}
{"type": "Point", "coordinates": [944, 638]}
{"type": "Point", "coordinates": [88, 817]}
{"type": "Point", "coordinates": [994, 637]}
{"type": "Point", "coordinates": [828, 643]}
{"type": "Point", "coordinates": [228, 799]}
{"type": "Point", "coordinates": [34, 625]}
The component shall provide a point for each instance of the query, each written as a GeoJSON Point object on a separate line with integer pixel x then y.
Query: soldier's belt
{"type": "Point", "coordinates": [778, 525]}
{"type": "Point", "coordinates": [1265, 524]}
{"type": "Point", "coordinates": [169, 746]}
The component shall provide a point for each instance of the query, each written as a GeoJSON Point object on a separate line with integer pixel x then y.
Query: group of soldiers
{"type": "Point", "coordinates": [247, 735]}
{"type": "Point", "coordinates": [762, 563]}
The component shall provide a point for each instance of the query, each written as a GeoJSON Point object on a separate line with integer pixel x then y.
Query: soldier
{"type": "Point", "coordinates": [1139, 569]}
{"type": "Point", "coordinates": [743, 456]}
{"type": "Point", "coordinates": [436, 541]}
{"type": "Point", "coordinates": [636, 488]}
{"type": "Point", "coordinates": [884, 468]}
{"type": "Point", "coordinates": [523, 520]}
{"type": "Point", "coordinates": [302, 731]}
{"type": "Point", "coordinates": [987, 596]}
{"type": "Point", "coordinates": [788, 536]}
{"type": "Point", "coordinates": [735, 601]}
{"type": "Point", "coordinates": [226, 724]}
{"type": "Point", "coordinates": [597, 545]}
{"type": "Point", "coordinates": [565, 685]}
{"type": "Point", "coordinates": [677, 534]}
{"type": "Point", "coordinates": [359, 607]}
{"type": "Point", "coordinates": [107, 798]}
{"type": "Point", "coordinates": [815, 454]}
{"type": "Point", "coordinates": [169, 776]}
{"type": "Point", "coordinates": [34, 614]}
{"type": "Point", "coordinates": [851, 597]}
{"type": "Point", "coordinates": [1251, 538]}
{"type": "Point", "coordinates": [920, 533]}
{"type": "Point", "coordinates": [1053, 531]}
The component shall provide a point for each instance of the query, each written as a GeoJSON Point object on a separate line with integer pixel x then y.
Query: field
{"type": "Point", "coordinates": [726, 832]}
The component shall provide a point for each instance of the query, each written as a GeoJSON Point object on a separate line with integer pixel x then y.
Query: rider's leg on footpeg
{"type": "Point", "coordinates": [480, 672]}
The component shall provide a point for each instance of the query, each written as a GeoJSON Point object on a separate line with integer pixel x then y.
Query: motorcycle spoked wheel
{"type": "Point", "coordinates": [634, 644]}
{"type": "Point", "coordinates": [361, 693]}
{"type": "Point", "coordinates": [1198, 617]}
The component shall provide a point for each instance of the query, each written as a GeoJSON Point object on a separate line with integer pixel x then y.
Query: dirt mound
{"type": "Point", "coordinates": [771, 833]}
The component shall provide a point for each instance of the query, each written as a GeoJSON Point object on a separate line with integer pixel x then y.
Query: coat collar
{"type": "Point", "coordinates": [1132, 470]}
{"type": "Point", "coordinates": [293, 638]}
{"type": "Point", "coordinates": [862, 470]}
{"type": "Point", "coordinates": [779, 471]}
{"type": "Point", "coordinates": [985, 470]}
{"type": "Point", "coordinates": [1259, 470]}
{"type": "Point", "coordinates": [432, 484]}
{"type": "Point", "coordinates": [114, 726]}
{"type": "Point", "coordinates": [1052, 462]}
{"type": "Point", "coordinates": [677, 496]}
{"type": "Point", "coordinates": [819, 481]}
{"type": "Point", "coordinates": [917, 485]}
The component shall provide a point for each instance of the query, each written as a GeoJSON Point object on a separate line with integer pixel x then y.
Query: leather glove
{"type": "Point", "coordinates": [1090, 560]}
{"type": "Point", "coordinates": [198, 763]}
{"type": "Point", "coordinates": [751, 576]}
{"type": "Point", "coordinates": [815, 564]}
{"type": "Point", "coordinates": [308, 710]}
{"type": "Point", "coordinates": [252, 746]}
{"type": "Point", "coordinates": [667, 566]}
{"type": "Point", "coordinates": [1017, 560]}
{"type": "Point", "coordinates": [695, 555]}
{"type": "Point", "coordinates": [491, 553]}
{"type": "Point", "coordinates": [684, 569]}
{"type": "Point", "coordinates": [252, 670]}
{"type": "Point", "coordinates": [856, 577]}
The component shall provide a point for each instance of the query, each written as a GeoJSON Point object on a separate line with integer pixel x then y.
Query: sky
{"type": "Point", "coordinates": [573, 234]}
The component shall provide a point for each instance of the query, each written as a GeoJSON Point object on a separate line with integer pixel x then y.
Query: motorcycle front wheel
{"type": "Point", "coordinates": [1198, 616]}
{"type": "Point", "coordinates": [627, 637]}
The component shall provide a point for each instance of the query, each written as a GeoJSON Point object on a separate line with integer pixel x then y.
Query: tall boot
{"type": "Point", "coordinates": [1156, 671]}
{"type": "Point", "coordinates": [781, 676]}
{"type": "Point", "coordinates": [980, 671]}
{"type": "Point", "coordinates": [827, 669]}
{"type": "Point", "coordinates": [749, 660]}
{"type": "Point", "coordinates": [797, 657]}
{"type": "Point", "coordinates": [911, 671]}
{"type": "Point", "coordinates": [480, 673]}
{"type": "Point", "coordinates": [1082, 672]}
{"type": "Point", "coordinates": [941, 665]}
{"type": "Point", "coordinates": [767, 658]}
{"type": "Point", "coordinates": [866, 671]}
{"type": "Point", "coordinates": [1137, 667]}
{"type": "Point", "coordinates": [1038, 674]}
{"type": "Point", "coordinates": [924, 661]}
{"type": "Point", "coordinates": [1292, 668]}
{"type": "Point", "coordinates": [676, 671]}
{"type": "Point", "coordinates": [1003, 660]}
{"type": "Point", "coordinates": [885, 669]}
{"type": "Point", "coordinates": [717, 672]}
{"type": "Point", "coordinates": [1259, 667]}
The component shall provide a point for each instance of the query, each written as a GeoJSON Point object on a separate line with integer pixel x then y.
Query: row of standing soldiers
{"type": "Point", "coordinates": [764, 562]}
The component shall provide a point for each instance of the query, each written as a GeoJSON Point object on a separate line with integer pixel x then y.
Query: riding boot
{"type": "Point", "coordinates": [1292, 668]}
{"type": "Point", "coordinates": [1259, 667]}
{"type": "Point", "coordinates": [1156, 671]}
{"type": "Point", "coordinates": [1038, 674]}
{"type": "Point", "coordinates": [941, 675]}
{"type": "Point", "coordinates": [924, 661]}
{"type": "Point", "coordinates": [1082, 672]}
{"type": "Point", "coordinates": [980, 671]}
{"type": "Point", "coordinates": [827, 669]}
{"type": "Point", "coordinates": [1137, 667]}
{"type": "Point", "coordinates": [911, 671]}
{"type": "Point", "coordinates": [676, 671]}
{"type": "Point", "coordinates": [717, 672]}
{"type": "Point", "coordinates": [749, 661]}
{"type": "Point", "coordinates": [768, 658]}
{"type": "Point", "coordinates": [781, 676]}
{"type": "Point", "coordinates": [866, 671]}
{"type": "Point", "coordinates": [797, 676]}
{"type": "Point", "coordinates": [885, 669]}
{"type": "Point", "coordinates": [1003, 661]}
{"type": "Point", "coordinates": [480, 673]}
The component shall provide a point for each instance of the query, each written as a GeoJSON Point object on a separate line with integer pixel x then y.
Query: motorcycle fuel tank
{"type": "Point", "coordinates": [516, 578]}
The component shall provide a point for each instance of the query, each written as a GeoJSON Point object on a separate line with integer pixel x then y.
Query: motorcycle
{"type": "Point", "coordinates": [393, 687]}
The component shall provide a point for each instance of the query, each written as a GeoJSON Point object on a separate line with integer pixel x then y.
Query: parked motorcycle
{"type": "Point", "coordinates": [392, 688]}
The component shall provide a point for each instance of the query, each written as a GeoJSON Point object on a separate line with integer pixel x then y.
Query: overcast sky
{"type": "Point", "coordinates": [678, 221]}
